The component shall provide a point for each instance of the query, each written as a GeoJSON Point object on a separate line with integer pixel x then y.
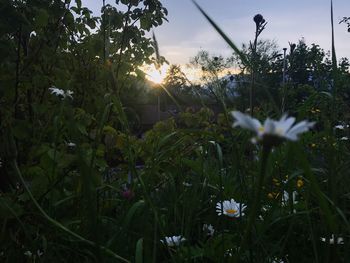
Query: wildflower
{"type": "Point", "coordinates": [339, 127]}
{"type": "Point", "coordinates": [332, 240]}
{"type": "Point", "coordinates": [229, 253]}
{"type": "Point", "coordinates": [315, 110]}
{"type": "Point", "coordinates": [56, 91]}
{"type": "Point", "coordinates": [276, 182]}
{"type": "Point", "coordinates": [344, 138]}
{"type": "Point", "coordinates": [313, 145]}
{"type": "Point", "coordinates": [230, 208]}
{"type": "Point", "coordinates": [60, 92]}
{"type": "Point", "coordinates": [258, 19]}
{"type": "Point", "coordinates": [71, 144]}
{"type": "Point", "coordinates": [128, 194]}
{"type": "Point", "coordinates": [28, 254]}
{"type": "Point", "coordinates": [186, 184]}
{"type": "Point", "coordinates": [285, 198]}
{"type": "Point", "coordinates": [39, 253]}
{"type": "Point", "coordinates": [69, 93]}
{"type": "Point", "coordinates": [209, 229]}
{"type": "Point", "coordinates": [300, 183]}
{"type": "Point", "coordinates": [201, 150]}
{"type": "Point", "coordinates": [173, 241]}
{"type": "Point", "coordinates": [271, 195]}
{"type": "Point", "coordinates": [272, 132]}
{"type": "Point", "coordinates": [277, 260]}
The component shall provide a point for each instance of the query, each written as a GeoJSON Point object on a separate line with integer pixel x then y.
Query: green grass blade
{"type": "Point", "coordinates": [139, 251]}
{"type": "Point", "coordinates": [334, 57]}
{"type": "Point", "coordinates": [132, 211]}
{"type": "Point", "coordinates": [224, 36]}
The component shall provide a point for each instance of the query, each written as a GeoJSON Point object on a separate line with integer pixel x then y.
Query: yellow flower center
{"type": "Point", "coordinates": [231, 211]}
{"type": "Point", "coordinates": [261, 129]}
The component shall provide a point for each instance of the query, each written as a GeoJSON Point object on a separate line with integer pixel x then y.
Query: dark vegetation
{"type": "Point", "coordinates": [82, 181]}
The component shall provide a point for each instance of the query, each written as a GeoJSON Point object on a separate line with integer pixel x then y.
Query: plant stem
{"type": "Point", "coordinates": [256, 202]}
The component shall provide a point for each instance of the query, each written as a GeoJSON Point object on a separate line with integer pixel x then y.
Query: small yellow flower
{"type": "Point", "coordinates": [300, 183]}
{"type": "Point", "coordinates": [315, 110]}
{"type": "Point", "coordinates": [273, 195]}
{"type": "Point", "coordinates": [276, 182]}
{"type": "Point", "coordinates": [313, 145]}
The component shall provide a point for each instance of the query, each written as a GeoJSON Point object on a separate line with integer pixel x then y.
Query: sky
{"type": "Point", "coordinates": [187, 31]}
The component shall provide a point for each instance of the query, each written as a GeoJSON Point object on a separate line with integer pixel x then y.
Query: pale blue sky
{"type": "Point", "coordinates": [288, 20]}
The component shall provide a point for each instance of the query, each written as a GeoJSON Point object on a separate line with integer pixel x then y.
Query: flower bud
{"type": "Point", "coordinates": [128, 194]}
{"type": "Point", "coordinates": [258, 19]}
{"type": "Point", "coordinates": [292, 47]}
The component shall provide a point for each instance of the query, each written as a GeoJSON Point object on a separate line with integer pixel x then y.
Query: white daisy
{"type": "Point", "coordinates": [332, 240]}
{"type": "Point", "coordinates": [229, 253]}
{"type": "Point", "coordinates": [39, 253]}
{"type": "Point", "coordinates": [209, 229]}
{"type": "Point", "coordinates": [69, 93]}
{"type": "Point", "coordinates": [186, 184]}
{"type": "Point", "coordinates": [173, 241]}
{"type": "Point", "coordinates": [60, 92]}
{"type": "Point", "coordinates": [285, 198]}
{"type": "Point", "coordinates": [71, 144]}
{"type": "Point", "coordinates": [282, 129]}
{"type": "Point", "coordinates": [56, 91]}
{"type": "Point", "coordinates": [28, 253]}
{"type": "Point", "coordinates": [230, 208]}
{"type": "Point", "coordinates": [277, 260]}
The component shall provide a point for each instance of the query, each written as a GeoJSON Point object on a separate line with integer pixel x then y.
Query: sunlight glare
{"type": "Point", "coordinates": [157, 76]}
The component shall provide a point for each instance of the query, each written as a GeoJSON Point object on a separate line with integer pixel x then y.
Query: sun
{"type": "Point", "coordinates": [157, 76]}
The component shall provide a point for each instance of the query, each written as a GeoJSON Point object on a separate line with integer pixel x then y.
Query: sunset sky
{"type": "Point", "coordinates": [188, 32]}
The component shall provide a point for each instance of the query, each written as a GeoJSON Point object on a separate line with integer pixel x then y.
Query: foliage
{"type": "Point", "coordinates": [78, 183]}
{"type": "Point", "coordinates": [346, 20]}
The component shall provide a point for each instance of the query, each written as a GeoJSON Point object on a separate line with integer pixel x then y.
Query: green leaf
{"type": "Point", "coordinates": [132, 211]}
{"type": "Point", "coordinates": [9, 209]}
{"type": "Point", "coordinates": [139, 251]}
{"type": "Point", "coordinates": [21, 130]}
{"type": "Point", "coordinates": [78, 2]}
{"type": "Point", "coordinates": [91, 23]}
{"type": "Point", "coordinates": [75, 9]}
{"type": "Point", "coordinates": [41, 18]}
{"type": "Point", "coordinates": [82, 129]}
{"type": "Point", "coordinates": [69, 19]}
{"type": "Point", "coordinates": [146, 22]}
{"type": "Point", "coordinates": [39, 181]}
